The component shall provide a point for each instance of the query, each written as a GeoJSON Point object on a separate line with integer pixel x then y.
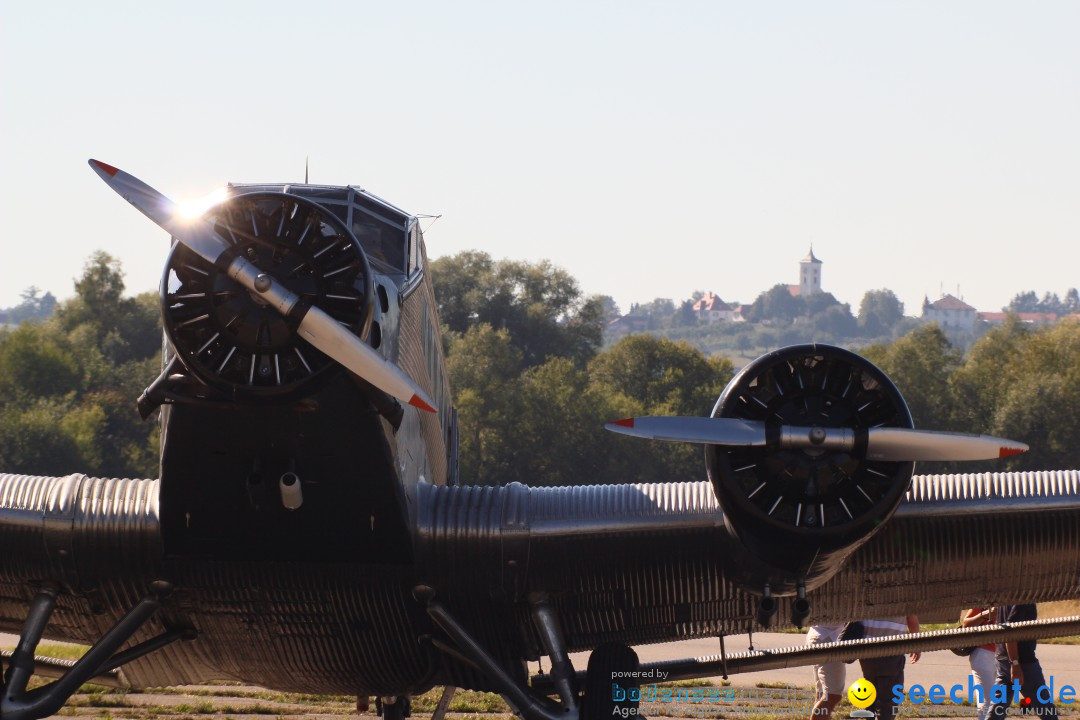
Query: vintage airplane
{"type": "Point", "coordinates": [307, 532]}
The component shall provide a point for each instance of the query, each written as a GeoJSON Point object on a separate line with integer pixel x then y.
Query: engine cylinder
{"type": "Point", "coordinates": [798, 513]}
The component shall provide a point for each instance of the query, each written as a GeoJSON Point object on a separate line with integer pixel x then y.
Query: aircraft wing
{"type": "Point", "coordinates": [633, 563]}
{"type": "Point", "coordinates": [652, 563]}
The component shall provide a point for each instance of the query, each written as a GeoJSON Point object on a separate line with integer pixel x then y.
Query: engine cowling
{"type": "Point", "coordinates": [797, 514]}
{"type": "Point", "coordinates": [226, 336]}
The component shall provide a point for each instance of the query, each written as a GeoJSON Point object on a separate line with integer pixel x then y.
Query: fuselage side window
{"type": "Point", "coordinates": [414, 248]}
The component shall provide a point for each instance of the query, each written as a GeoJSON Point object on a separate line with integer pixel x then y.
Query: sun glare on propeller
{"type": "Point", "coordinates": [191, 209]}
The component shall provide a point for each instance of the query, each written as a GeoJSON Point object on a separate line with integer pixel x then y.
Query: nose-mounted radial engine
{"type": "Point", "coordinates": [273, 310]}
{"type": "Point", "coordinates": [232, 338]}
{"type": "Point", "coordinates": [258, 271]}
{"type": "Point", "coordinates": [810, 449]}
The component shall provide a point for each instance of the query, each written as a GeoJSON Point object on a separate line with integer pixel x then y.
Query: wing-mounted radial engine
{"type": "Point", "coordinates": [798, 509]}
{"type": "Point", "coordinates": [810, 450]}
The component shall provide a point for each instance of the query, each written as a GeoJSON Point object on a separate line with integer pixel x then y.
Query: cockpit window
{"type": "Point", "coordinates": [379, 240]}
{"type": "Point", "coordinates": [381, 233]}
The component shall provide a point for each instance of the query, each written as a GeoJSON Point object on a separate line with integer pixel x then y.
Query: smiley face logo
{"type": "Point", "coordinates": [862, 693]}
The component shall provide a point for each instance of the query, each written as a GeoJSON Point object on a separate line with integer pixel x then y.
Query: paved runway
{"type": "Point", "coordinates": [939, 667]}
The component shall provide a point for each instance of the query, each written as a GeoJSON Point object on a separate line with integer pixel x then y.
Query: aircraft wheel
{"type": "Point", "coordinates": [393, 708]}
{"type": "Point", "coordinates": [608, 688]}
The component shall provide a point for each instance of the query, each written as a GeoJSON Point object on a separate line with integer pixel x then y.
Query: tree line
{"type": "Point", "coordinates": [532, 381]}
{"type": "Point", "coordinates": [537, 417]}
{"type": "Point", "coordinates": [68, 383]}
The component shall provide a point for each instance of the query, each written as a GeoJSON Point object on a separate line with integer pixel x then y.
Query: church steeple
{"type": "Point", "coordinates": [809, 274]}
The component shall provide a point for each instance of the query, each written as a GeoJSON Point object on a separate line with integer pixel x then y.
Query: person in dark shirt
{"type": "Point", "coordinates": [1017, 661]}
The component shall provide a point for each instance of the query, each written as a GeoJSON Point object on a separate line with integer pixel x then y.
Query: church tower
{"type": "Point", "coordinates": [809, 274]}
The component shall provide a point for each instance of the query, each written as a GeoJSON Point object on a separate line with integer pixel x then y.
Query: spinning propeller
{"type": "Point", "coordinates": [888, 444]}
{"type": "Point", "coordinates": [313, 324]}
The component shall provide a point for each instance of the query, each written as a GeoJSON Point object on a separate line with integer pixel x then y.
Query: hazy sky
{"type": "Point", "coordinates": [651, 149]}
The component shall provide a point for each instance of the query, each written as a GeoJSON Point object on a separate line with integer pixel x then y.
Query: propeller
{"type": "Point", "coordinates": [882, 443]}
{"type": "Point", "coordinates": [314, 325]}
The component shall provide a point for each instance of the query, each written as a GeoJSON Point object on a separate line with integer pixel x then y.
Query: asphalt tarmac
{"type": "Point", "coordinates": [935, 668]}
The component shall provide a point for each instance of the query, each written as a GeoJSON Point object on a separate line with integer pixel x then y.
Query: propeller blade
{"type": "Point", "coordinates": [701, 430]}
{"type": "Point", "coordinates": [315, 326]}
{"type": "Point", "coordinates": [902, 445]}
{"type": "Point", "coordinates": [361, 359]}
{"type": "Point", "coordinates": [196, 234]}
{"type": "Point", "coordinates": [887, 444]}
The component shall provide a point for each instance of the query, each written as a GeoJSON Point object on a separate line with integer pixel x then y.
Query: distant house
{"type": "Point", "coordinates": [998, 318]}
{"type": "Point", "coordinates": [711, 309]}
{"type": "Point", "coordinates": [627, 324]}
{"type": "Point", "coordinates": [950, 313]}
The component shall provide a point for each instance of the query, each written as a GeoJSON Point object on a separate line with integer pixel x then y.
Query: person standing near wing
{"type": "Point", "coordinates": [982, 659]}
{"type": "Point", "coordinates": [886, 672]}
{"type": "Point", "coordinates": [1017, 661]}
{"type": "Point", "coordinates": [828, 678]}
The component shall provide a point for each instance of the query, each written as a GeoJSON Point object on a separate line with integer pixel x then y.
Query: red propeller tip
{"type": "Point", "coordinates": [1009, 452]}
{"type": "Point", "coordinates": [628, 422]}
{"type": "Point", "coordinates": [109, 169]}
{"type": "Point", "coordinates": [418, 401]}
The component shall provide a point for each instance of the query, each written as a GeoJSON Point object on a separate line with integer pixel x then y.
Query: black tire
{"type": "Point", "coordinates": [400, 709]}
{"type": "Point", "coordinates": [610, 665]}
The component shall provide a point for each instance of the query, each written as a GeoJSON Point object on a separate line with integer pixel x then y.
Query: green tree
{"type": "Point", "coordinates": [659, 311]}
{"type": "Point", "coordinates": [879, 312]}
{"type": "Point", "coordinates": [558, 436]}
{"type": "Point", "coordinates": [34, 306]}
{"type": "Point", "coordinates": [819, 303]}
{"type": "Point", "coordinates": [484, 368]}
{"type": "Point", "coordinates": [776, 305]}
{"type": "Point", "coordinates": [35, 362]}
{"type": "Point", "coordinates": [1038, 397]}
{"type": "Point", "coordinates": [646, 375]}
{"type": "Point", "coordinates": [67, 385]}
{"type": "Point", "coordinates": [921, 364]}
{"type": "Point", "coordinates": [685, 316]}
{"type": "Point", "coordinates": [541, 306]}
{"type": "Point", "coordinates": [835, 323]}
{"type": "Point", "coordinates": [33, 440]}
{"type": "Point", "coordinates": [663, 377]}
{"type": "Point", "coordinates": [989, 368]}
{"type": "Point", "coordinates": [122, 328]}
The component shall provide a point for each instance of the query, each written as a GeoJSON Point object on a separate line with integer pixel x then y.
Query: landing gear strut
{"type": "Point", "coordinates": [524, 702]}
{"type": "Point", "coordinates": [17, 703]}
